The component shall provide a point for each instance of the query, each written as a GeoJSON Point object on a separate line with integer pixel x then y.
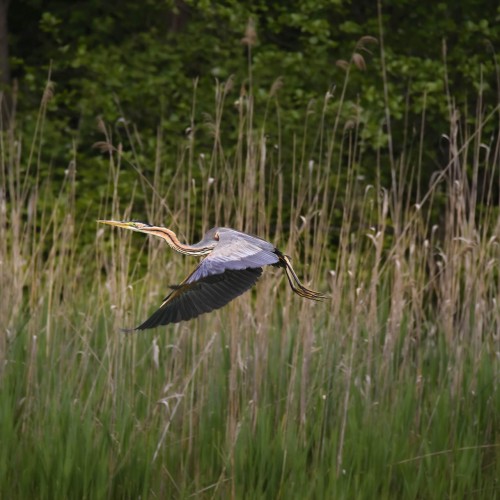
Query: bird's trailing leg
{"type": "Point", "coordinates": [295, 283]}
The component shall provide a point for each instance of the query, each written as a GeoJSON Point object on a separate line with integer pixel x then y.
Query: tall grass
{"type": "Point", "coordinates": [388, 390]}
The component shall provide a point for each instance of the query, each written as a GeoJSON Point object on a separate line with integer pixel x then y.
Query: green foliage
{"type": "Point", "coordinates": [124, 62]}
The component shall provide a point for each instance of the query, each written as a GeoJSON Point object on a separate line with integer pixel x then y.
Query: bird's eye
{"type": "Point", "coordinates": [216, 236]}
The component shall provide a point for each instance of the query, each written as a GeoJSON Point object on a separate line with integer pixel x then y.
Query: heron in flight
{"type": "Point", "coordinates": [232, 265]}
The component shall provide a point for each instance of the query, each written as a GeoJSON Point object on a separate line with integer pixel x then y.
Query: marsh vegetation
{"type": "Point", "coordinates": [390, 389]}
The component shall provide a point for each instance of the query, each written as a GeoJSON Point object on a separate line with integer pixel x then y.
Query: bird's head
{"type": "Point", "coordinates": [198, 249]}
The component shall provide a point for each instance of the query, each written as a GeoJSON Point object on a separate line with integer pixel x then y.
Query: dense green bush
{"type": "Point", "coordinates": [133, 67]}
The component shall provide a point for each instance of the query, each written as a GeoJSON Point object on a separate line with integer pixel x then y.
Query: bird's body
{"type": "Point", "coordinates": [233, 263]}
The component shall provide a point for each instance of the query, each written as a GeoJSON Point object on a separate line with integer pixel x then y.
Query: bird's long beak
{"type": "Point", "coordinates": [126, 225]}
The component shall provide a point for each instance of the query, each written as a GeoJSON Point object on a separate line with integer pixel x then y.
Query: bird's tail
{"type": "Point", "coordinates": [295, 283]}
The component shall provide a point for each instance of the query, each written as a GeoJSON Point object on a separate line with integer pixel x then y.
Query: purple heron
{"type": "Point", "coordinates": [232, 265]}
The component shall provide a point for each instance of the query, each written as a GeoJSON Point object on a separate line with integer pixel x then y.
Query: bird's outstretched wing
{"type": "Point", "coordinates": [229, 270]}
{"type": "Point", "coordinates": [192, 298]}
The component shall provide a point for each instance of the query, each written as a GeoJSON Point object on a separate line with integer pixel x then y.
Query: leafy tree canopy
{"type": "Point", "coordinates": [135, 63]}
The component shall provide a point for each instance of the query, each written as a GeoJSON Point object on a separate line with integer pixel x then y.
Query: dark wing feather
{"type": "Point", "coordinates": [233, 266]}
{"type": "Point", "coordinates": [197, 296]}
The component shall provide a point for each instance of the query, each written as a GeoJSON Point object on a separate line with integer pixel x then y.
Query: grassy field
{"type": "Point", "coordinates": [388, 390]}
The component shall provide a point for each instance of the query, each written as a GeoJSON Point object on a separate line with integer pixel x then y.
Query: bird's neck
{"type": "Point", "coordinates": [171, 238]}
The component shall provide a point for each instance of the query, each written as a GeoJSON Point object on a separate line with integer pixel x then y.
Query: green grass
{"type": "Point", "coordinates": [85, 420]}
{"type": "Point", "coordinates": [388, 390]}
